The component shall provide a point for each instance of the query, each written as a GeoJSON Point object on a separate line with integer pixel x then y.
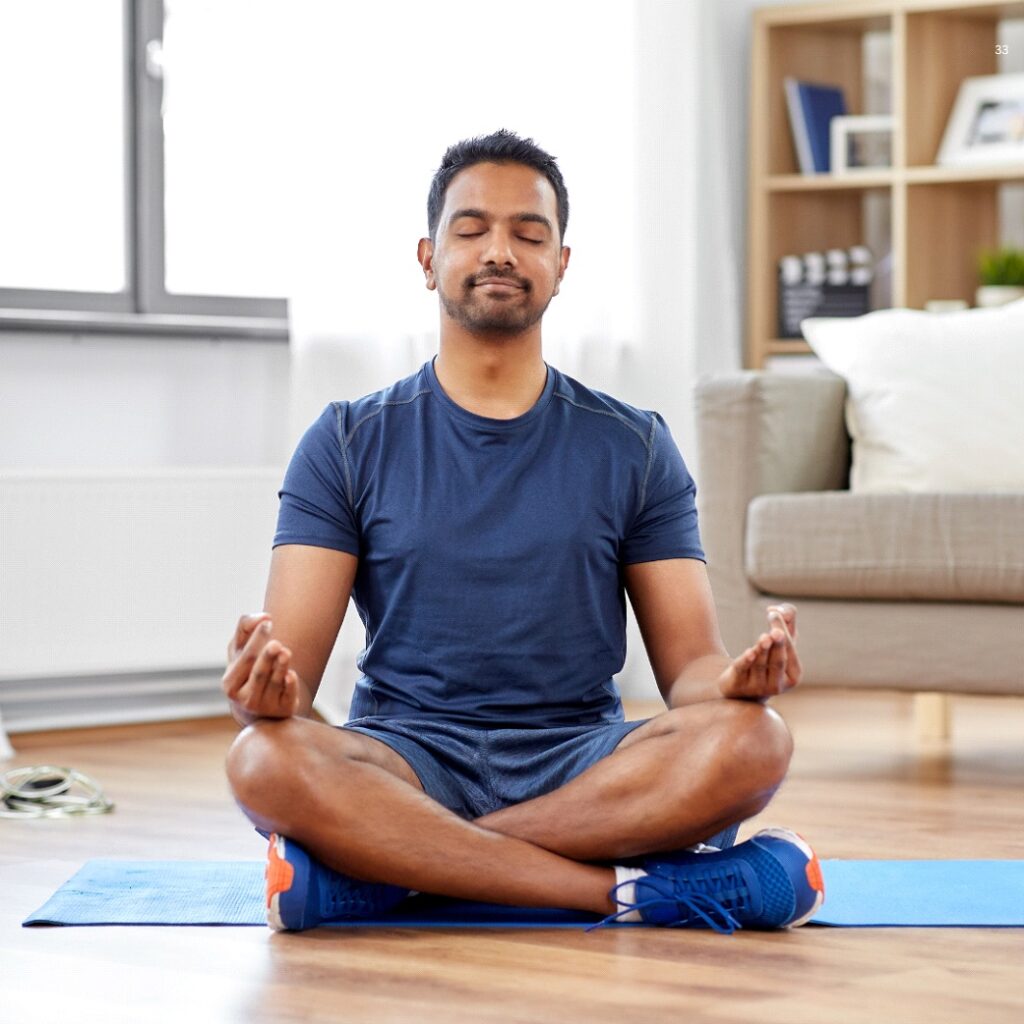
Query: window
{"type": "Point", "coordinates": [144, 172]}
{"type": "Point", "coordinates": [62, 180]}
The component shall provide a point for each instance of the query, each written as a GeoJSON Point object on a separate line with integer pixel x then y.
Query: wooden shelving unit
{"type": "Point", "coordinates": [940, 216]}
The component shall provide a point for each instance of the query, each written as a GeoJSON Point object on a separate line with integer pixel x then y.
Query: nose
{"type": "Point", "coordinates": [498, 249]}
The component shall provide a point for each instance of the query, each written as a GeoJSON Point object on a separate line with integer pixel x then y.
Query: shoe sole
{"type": "Point", "coordinates": [280, 875]}
{"type": "Point", "coordinates": [812, 870]}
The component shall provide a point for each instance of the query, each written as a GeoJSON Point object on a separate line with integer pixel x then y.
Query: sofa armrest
{"type": "Point", "coordinates": [760, 433]}
{"type": "Point", "coordinates": [785, 432]}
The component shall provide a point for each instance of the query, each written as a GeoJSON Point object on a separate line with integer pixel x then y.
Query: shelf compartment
{"type": "Point", "coordinates": [827, 220]}
{"type": "Point", "coordinates": [949, 222]}
{"type": "Point", "coordinates": [829, 52]}
{"type": "Point", "coordinates": [967, 42]}
{"type": "Point", "coordinates": [799, 222]}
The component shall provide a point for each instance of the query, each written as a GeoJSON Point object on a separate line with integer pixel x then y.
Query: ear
{"type": "Point", "coordinates": [564, 262]}
{"type": "Point", "coordinates": [425, 255]}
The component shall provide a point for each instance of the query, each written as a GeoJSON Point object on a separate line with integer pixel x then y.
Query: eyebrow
{"type": "Point", "coordinates": [532, 218]}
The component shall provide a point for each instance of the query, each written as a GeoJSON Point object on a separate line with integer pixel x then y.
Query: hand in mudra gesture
{"type": "Point", "coordinates": [258, 677]}
{"type": "Point", "coordinates": [771, 665]}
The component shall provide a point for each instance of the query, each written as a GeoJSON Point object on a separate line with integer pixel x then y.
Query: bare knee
{"type": "Point", "coordinates": [748, 742]}
{"type": "Point", "coordinates": [733, 756]}
{"type": "Point", "coordinates": [261, 755]}
{"type": "Point", "coordinates": [757, 740]}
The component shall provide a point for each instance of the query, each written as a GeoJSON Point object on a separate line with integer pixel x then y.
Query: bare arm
{"type": "Point", "coordinates": [275, 672]}
{"type": "Point", "coordinates": [675, 610]}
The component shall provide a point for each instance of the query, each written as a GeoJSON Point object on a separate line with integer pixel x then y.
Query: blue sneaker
{"type": "Point", "coordinates": [773, 880]}
{"type": "Point", "coordinates": [303, 893]}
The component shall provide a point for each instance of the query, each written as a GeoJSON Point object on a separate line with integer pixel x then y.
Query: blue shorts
{"type": "Point", "coordinates": [474, 771]}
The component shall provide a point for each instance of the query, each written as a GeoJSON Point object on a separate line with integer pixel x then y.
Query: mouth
{"type": "Point", "coordinates": [497, 284]}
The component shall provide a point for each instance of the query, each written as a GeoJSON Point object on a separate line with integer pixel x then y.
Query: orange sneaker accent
{"type": "Point", "coordinates": [278, 873]}
{"type": "Point", "coordinates": [814, 875]}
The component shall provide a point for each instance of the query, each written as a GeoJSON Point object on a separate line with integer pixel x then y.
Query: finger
{"type": "Point", "coordinates": [258, 639]}
{"type": "Point", "coordinates": [292, 680]}
{"type": "Point", "coordinates": [759, 668]}
{"type": "Point", "coordinates": [751, 668]}
{"type": "Point", "coordinates": [254, 664]}
{"type": "Point", "coordinates": [734, 679]}
{"type": "Point", "coordinates": [794, 670]}
{"type": "Point", "coordinates": [282, 694]}
{"type": "Point", "coordinates": [749, 657]}
{"type": "Point", "coordinates": [776, 668]}
{"type": "Point", "coordinates": [277, 688]}
{"type": "Point", "coordinates": [787, 612]}
{"type": "Point", "coordinates": [246, 624]}
{"type": "Point", "coordinates": [287, 693]}
{"type": "Point", "coordinates": [283, 668]}
{"type": "Point", "coordinates": [262, 693]}
{"type": "Point", "coordinates": [764, 664]}
{"type": "Point", "coordinates": [793, 666]}
{"type": "Point", "coordinates": [278, 669]}
{"type": "Point", "coordinates": [237, 675]}
{"type": "Point", "coordinates": [777, 619]}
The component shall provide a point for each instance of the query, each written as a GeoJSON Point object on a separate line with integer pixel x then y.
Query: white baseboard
{"type": "Point", "coordinates": [67, 702]}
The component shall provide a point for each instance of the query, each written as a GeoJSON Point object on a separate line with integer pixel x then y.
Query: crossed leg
{"type": "Point", "coordinates": [359, 808]}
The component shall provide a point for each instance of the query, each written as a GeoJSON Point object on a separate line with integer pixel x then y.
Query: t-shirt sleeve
{"type": "Point", "coordinates": [666, 524]}
{"type": "Point", "coordinates": [315, 499]}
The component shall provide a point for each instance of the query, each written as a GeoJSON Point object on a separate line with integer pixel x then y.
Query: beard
{"type": "Point", "coordinates": [481, 313]}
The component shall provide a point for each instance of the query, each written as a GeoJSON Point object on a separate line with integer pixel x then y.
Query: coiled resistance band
{"type": "Point", "coordinates": [48, 791]}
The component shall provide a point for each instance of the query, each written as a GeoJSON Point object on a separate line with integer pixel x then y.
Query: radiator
{"type": "Point", "coordinates": [120, 589]}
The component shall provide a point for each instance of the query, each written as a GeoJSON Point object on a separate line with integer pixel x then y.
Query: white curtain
{"type": "Point", "coordinates": [619, 93]}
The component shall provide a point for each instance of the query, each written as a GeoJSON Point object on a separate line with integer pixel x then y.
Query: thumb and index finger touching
{"type": "Point", "coordinates": [783, 615]}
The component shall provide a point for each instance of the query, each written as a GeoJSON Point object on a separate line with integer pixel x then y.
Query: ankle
{"type": "Point", "coordinates": [624, 893]}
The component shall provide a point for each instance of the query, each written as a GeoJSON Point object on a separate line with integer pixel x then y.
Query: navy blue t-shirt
{"type": "Point", "coordinates": [490, 551]}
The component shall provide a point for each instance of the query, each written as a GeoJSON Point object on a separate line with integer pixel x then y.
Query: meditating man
{"type": "Point", "coordinates": [489, 513]}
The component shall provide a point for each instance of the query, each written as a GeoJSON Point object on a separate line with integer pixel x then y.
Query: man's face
{"type": "Point", "coordinates": [497, 261]}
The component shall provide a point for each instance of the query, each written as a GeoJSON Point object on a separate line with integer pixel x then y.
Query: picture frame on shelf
{"type": "Point", "coordinates": [861, 143]}
{"type": "Point", "coordinates": [986, 126]}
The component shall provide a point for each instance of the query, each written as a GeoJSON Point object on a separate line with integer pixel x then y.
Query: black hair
{"type": "Point", "coordinates": [500, 147]}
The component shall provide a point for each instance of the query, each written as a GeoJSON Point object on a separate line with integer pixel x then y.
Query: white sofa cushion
{"type": "Point", "coordinates": [935, 401]}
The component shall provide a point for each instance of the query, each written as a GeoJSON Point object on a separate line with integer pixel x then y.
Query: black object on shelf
{"type": "Point", "coordinates": [797, 301]}
{"type": "Point", "coordinates": [836, 282]}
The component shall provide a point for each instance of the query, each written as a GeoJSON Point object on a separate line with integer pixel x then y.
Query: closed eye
{"type": "Point", "coordinates": [477, 234]}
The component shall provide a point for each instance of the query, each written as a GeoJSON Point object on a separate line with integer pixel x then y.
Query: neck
{"type": "Point", "coordinates": [499, 377]}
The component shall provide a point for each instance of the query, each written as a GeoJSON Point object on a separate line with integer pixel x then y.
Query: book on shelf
{"type": "Point", "coordinates": [812, 106]}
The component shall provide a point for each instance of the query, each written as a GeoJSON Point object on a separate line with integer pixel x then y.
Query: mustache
{"type": "Point", "coordinates": [492, 276]}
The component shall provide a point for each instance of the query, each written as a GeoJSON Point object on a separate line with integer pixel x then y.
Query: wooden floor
{"type": "Point", "coordinates": [857, 788]}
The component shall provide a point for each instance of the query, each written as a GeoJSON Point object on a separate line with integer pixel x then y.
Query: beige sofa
{"type": "Point", "coordinates": [919, 592]}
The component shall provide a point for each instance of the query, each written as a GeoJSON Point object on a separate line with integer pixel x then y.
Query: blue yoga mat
{"type": "Point", "coordinates": [858, 893]}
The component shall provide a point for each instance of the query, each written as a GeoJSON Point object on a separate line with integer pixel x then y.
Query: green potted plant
{"type": "Point", "coordinates": [1001, 273]}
